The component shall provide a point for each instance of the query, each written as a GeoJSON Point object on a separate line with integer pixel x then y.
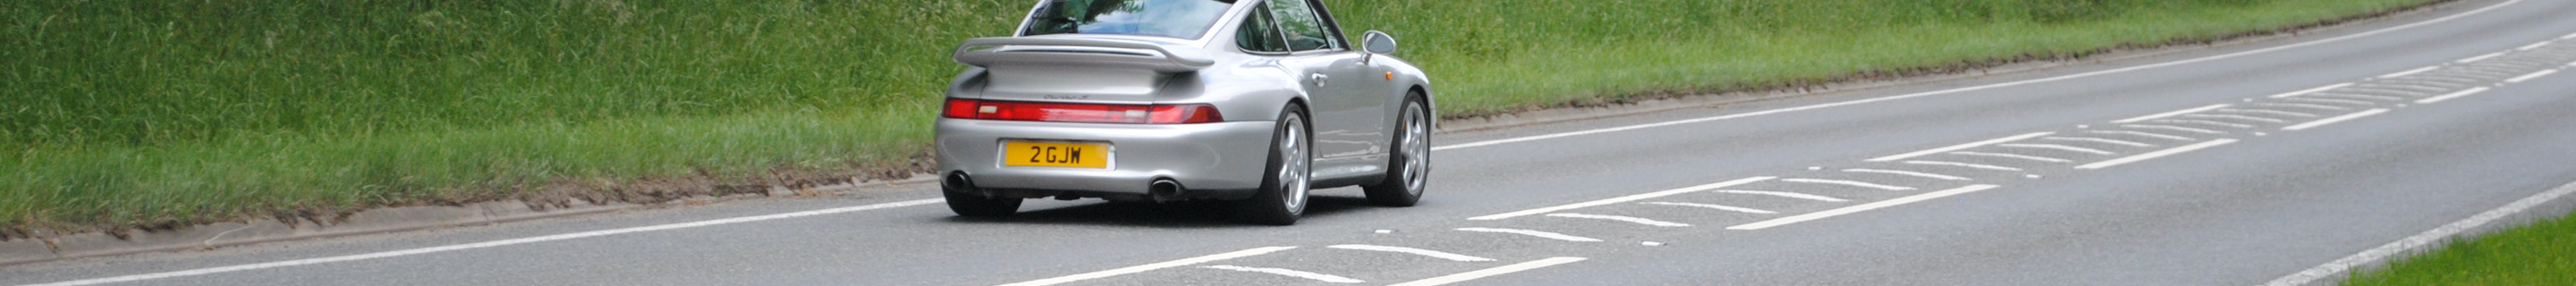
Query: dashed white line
{"type": "Point", "coordinates": [1849, 183]}
{"type": "Point", "coordinates": [1966, 165]}
{"type": "Point", "coordinates": [1908, 173]}
{"type": "Point", "coordinates": [1414, 251]}
{"type": "Point", "coordinates": [2143, 134]}
{"type": "Point", "coordinates": [2323, 122]}
{"type": "Point", "coordinates": [2015, 156]}
{"type": "Point", "coordinates": [1533, 233]}
{"type": "Point", "coordinates": [2268, 111]}
{"type": "Point", "coordinates": [2203, 122]}
{"type": "Point", "coordinates": [1622, 199]}
{"type": "Point", "coordinates": [2169, 114]}
{"type": "Point", "coordinates": [2533, 46]}
{"type": "Point", "coordinates": [2156, 154]}
{"type": "Point", "coordinates": [2451, 96]}
{"type": "Point", "coordinates": [2304, 105]}
{"type": "Point", "coordinates": [2060, 147]}
{"type": "Point", "coordinates": [1860, 208]}
{"type": "Point", "coordinates": [2311, 90]}
{"type": "Point", "coordinates": [1152, 267]}
{"type": "Point", "coordinates": [2520, 79]}
{"type": "Point", "coordinates": [1628, 219]}
{"type": "Point", "coordinates": [2330, 100]}
{"type": "Point", "coordinates": [1959, 147]}
{"type": "Point", "coordinates": [1489, 272]}
{"type": "Point", "coordinates": [2480, 58]}
{"type": "Point", "coordinates": [2410, 72]}
{"type": "Point", "coordinates": [1327, 278]}
{"type": "Point", "coordinates": [2428, 237]}
{"type": "Point", "coordinates": [1784, 195]}
{"type": "Point", "coordinates": [2237, 117]}
{"type": "Point", "coordinates": [1714, 206]}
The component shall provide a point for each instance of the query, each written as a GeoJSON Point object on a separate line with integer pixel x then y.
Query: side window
{"type": "Point", "coordinates": [1259, 33]}
{"type": "Point", "coordinates": [1305, 30]}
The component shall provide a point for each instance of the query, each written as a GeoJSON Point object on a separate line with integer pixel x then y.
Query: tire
{"type": "Point", "coordinates": [1408, 172]}
{"type": "Point", "coordinates": [965, 203]}
{"type": "Point", "coordinates": [1287, 180]}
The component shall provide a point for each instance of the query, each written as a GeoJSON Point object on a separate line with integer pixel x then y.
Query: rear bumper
{"type": "Point", "coordinates": [1214, 160]}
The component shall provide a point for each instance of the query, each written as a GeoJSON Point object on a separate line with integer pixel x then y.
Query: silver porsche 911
{"type": "Point", "coordinates": [1250, 101]}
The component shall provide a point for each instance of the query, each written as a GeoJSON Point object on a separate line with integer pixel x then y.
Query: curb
{"type": "Point", "coordinates": [375, 221]}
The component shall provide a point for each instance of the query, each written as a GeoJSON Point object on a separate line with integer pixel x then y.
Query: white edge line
{"type": "Point", "coordinates": [2156, 154]}
{"type": "Point", "coordinates": [2533, 46]}
{"type": "Point", "coordinates": [1990, 86]}
{"type": "Point", "coordinates": [1327, 278]}
{"type": "Point", "coordinates": [1539, 234]}
{"type": "Point", "coordinates": [2480, 58]}
{"type": "Point", "coordinates": [1860, 208]}
{"type": "Point", "coordinates": [2171, 114]}
{"type": "Point", "coordinates": [2410, 72]}
{"type": "Point", "coordinates": [1959, 147]}
{"type": "Point", "coordinates": [488, 244]}
{"type": "Point", "coordinates": [2568, 37]}
{"type": "Point", "coordinates": [2536, 74]}
{"type": "Point", "coordinates": [1622, 199]}
{"type": "Point", "coordinates": [2333, 120]}
{"type": "Point", "coordinates": [2428, 237]}
{"type": "Point", "coordinates": [2306, 91]}
{"type": "Point", "coordinates": [1413, 251]}
{"type": "Point", "coordinates": [1629, 219]}
{"type": "Point", "coordinates": [1152, 267]}
{"type": "Point", "coordinates": [1489, 272]}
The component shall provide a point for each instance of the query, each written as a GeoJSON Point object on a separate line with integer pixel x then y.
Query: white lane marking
{"type": "Point", "coordinates": [1154, 266]}
{"type": "Point", "coordinates": [2059, 147]}
{"type": "Point", "coordinates": [2428, 237]}
{"type": "Point", "coordinates": [1622, 199]}
{"type": "Point", "coordinates": [1849, 183]}
{"type": "Point", "coordinates": [2400, 87]}
{"type": "Point", "coordinates": [1414, 251]}
{"type": "Point", "coordinates": [2480, 58]}
{"type": "Point", "coordinates": [2329, 100]}
{"type": "Point", "coordinates": [2311, 90]}
{"type": "Point", "coordinates": [2175, 128]}
{"type": "Point", "coordinates": [2520, 79]}
{"type": "Point", "coordinates": [2410, 72]}
{"type": "Point", "coordinates": [2568, 37]}
{"type": "Point", "coordinates": [1327, 278]}
{"type": "Point", "coordinates": [1489, 272]}
{"type": "Point", "coordinates": [2104, 141]}
{"type": "Point", "coordinates": [2143, 134]}
{"type": "Point", "coordinates": [2172, 113]}
{"type": "Point", "coordinates": [488, 244]}
{"type": "Point", "coordinates": [2203, 122]}
{"type": "Point", "coordinates": [2268, 111]}
{"type": "Point", "coordinates": [2323, 122]}
{"type": "Point", "coordinates": [1958, 164]}
{"type": "Point", "coordinates": [2533, 46]}
{"type": "Point", "coordinates": [1959, 147]}
{"type": "Point", "coordinates": [1714, 206]}
{"type": "Point", "coordinates": [2451, 96]}
{"type": "Point", "coordinates": [2156, 154]}
{"type": "Point", "coordinates": [1909, 173]}
{"type": "Point", "coordinates": [2360, 96]}
{"type": "Point", "coordinates": [2015, 156]}
{"type": "Point", "coordinates": [1990, 86]}
{"type": "Point", "coordinates": [1784, 195]}
{"type": "Point", "coordinates": [1860, 208]}
{"type": "Point", "coordinates": [1629, 219]}
{"type": "Point", "coordinates": [2304, 105]}
{"type": "Point", "coordinates": [1539, 234]}
{"type": "Point", "coordinates": [2237, 117]}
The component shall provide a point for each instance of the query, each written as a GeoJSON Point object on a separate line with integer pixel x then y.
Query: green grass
{"type": "Point", "coordinates": [2538, 254]}
{"type": "Point", "coordinates": [154, 113]}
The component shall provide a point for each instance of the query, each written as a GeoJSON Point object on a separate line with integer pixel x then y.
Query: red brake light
{"type": "Point", "coordinates": [1077, 112]}
{"type": "Point", "coordinates": [1186, 114]}
{"type": "Point", "coordinates": [960, 108]}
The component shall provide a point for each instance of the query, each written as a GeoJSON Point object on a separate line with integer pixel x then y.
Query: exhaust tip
{"type": "Point", "coordinates": [958, 181]}
{"type": "Point", "coordinates": [1164, 190]}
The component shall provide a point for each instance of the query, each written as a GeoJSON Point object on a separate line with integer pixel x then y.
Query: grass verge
{"type": "Point", "coordinates": [126, 114]}
{"type": "Point", "coordinates": [2536, 254]}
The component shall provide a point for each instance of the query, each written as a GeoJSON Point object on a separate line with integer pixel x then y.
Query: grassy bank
{"type": "Point", "coordinates": [2536, 254]}
{"type": "Point", "coordinates": [142, 113]}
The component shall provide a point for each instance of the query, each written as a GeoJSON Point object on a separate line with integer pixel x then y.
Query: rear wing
{"type": "Point", "coordinates": [986, 52]}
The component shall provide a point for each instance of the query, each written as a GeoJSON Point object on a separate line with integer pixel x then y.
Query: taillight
{"type": "Point", "coordinates": [1077, 112]}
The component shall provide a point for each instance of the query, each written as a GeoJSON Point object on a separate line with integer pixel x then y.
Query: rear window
{"type": "Point", "coordinates": [1186, 19]}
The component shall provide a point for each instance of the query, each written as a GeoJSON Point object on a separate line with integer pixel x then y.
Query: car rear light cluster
{"type": "Point", "coordinates": [1079, 112]}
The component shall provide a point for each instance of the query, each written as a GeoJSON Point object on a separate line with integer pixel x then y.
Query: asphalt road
{"type": "Point", "coordinates": [2241, 164]}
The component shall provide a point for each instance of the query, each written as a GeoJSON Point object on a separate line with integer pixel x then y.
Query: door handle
{"type": "Point", "coordinates": [1319, 79]}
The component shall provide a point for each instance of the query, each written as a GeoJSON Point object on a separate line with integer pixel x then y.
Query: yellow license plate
{"type": "Point", "coordinates": [1055, 154]}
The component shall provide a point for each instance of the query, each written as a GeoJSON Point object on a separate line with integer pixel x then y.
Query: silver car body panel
{"type": "Point", "coordinates": [1351, 97]}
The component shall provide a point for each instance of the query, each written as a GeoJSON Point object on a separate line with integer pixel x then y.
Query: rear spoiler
{"type": "Point", "coordinates": [985, 52]}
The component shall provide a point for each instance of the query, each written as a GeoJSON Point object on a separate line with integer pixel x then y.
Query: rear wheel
{"type": "Point", "coordinates": [966, 203]}
{"type": "Point", "coordinates": [1409, 172]}
{"type": "Point", "coordinates": [1284, 183]}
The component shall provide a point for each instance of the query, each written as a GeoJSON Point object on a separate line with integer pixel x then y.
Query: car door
{"type": "Point", "coordinates": [1349, 118]}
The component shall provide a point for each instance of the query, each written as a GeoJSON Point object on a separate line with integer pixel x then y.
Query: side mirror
{"type": "Point", "coordinates": [1378, 43]}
